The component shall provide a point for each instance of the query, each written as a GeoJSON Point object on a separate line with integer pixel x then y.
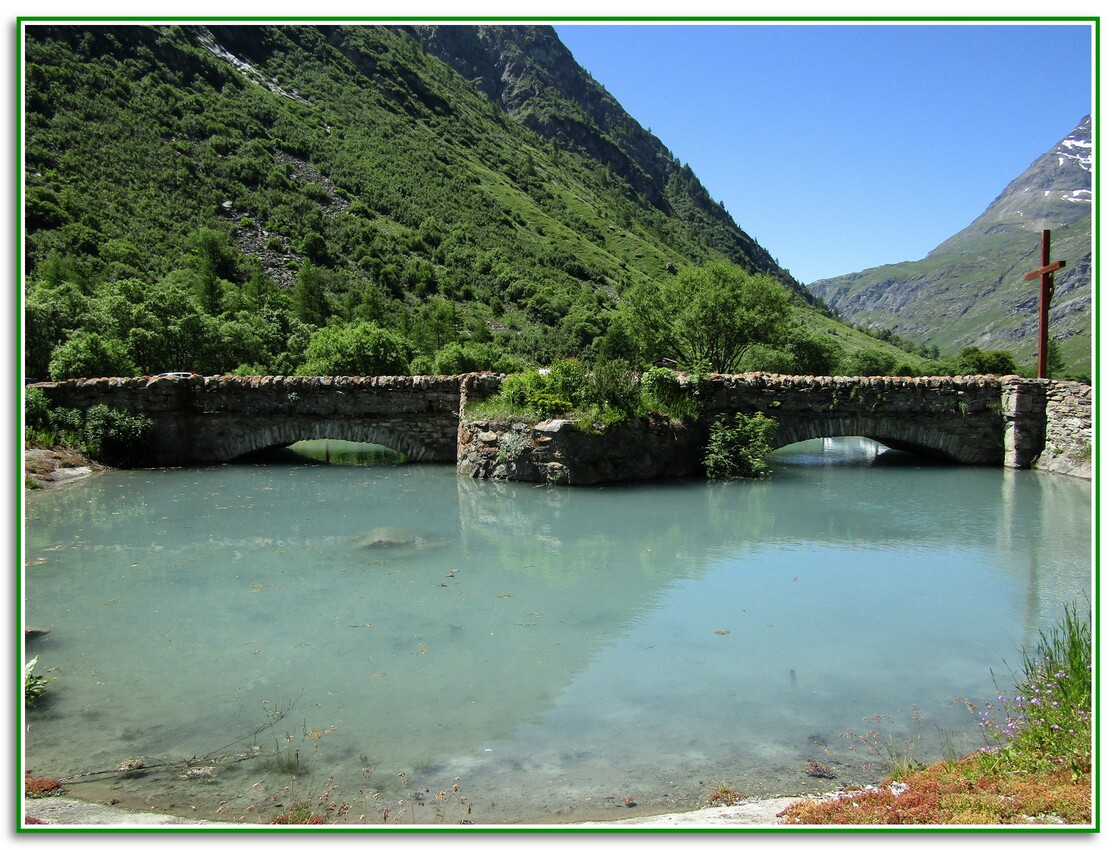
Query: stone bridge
{"type": "Point", "coordinates": [201, 420]}
{"type": "Point", "coordinates": [1011, 421]}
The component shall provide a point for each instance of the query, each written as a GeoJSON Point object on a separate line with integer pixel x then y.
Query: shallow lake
{"type": "Point", "coordinates": [398, 643]}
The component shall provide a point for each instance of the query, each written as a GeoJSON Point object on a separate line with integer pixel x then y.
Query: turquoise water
{"type": "Point", "coordinates": [399, 643]}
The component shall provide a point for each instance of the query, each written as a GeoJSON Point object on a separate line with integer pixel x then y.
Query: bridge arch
{"type": "Point", "coordinates": [277, 433]}
{"type": "Point", "coordinates": [896, 433]}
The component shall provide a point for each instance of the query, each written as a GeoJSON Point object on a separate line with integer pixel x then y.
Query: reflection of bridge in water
{"type": "Point", "coordinates": [972, 420]}
{"type": "Point", "coordinates": [421, 662]}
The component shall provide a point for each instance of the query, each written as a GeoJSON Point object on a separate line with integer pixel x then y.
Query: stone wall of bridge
{"type": "Point", "coordinates": [1068, 440]}
{"type": "Point", "coordinates": [1012, 422]}
{"type": "Point", "coordinates": [1015, 422]}
{"type": "Point", "coordinates": [956, 418]}
{"type": "Point", "coordinates": [211, 420]}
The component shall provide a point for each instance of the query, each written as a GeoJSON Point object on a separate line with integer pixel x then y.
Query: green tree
{"type": "Point", "coordinates": [309, 298]}
{"type": "Point", "coordinates": [457, 358]}
{"type": "Point", "coordinates": [972, 360]}
{"type": "Point", "coordinates": [89, 355]}
{"type": "Point", "coordinates": [261, 289]}
{"type": "Point", "coordinates": [316, 248]}
{"type": "Point", "coordinates": [434, 324]}
{"type": "Point", "coordinates": [215, 259]}
{"type": "Point", "coordinates": [49, 312]}
{"type": "Point", "coordinates": [707, 317]}
{"type": "Point", "coordinates": [1056, 364]}
{"type": "Point", "coordinates": [359, 349]}
{"type": "Point", "coordinates": [869, 362]}
{"type": "Point", "coordinates": [739, 447]}
{"type": "Point", "coordinates": [813, 353]}
{"type": "Point", "coordinates": [767, 358]}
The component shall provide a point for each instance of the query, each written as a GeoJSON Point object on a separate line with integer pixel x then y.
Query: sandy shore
{"type": "Point", "coordinates": [751, 812]}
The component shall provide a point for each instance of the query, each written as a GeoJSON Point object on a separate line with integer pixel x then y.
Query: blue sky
{"type": "Point", "coordinates": [842, 147]}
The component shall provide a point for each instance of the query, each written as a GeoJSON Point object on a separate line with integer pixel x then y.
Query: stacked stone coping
{"type": "Point", "coordinates": [174, 393]}
{"type": "Point", "coordinates": [761, 379]}
{"type": "Point", "coordinates": [1066, 415]}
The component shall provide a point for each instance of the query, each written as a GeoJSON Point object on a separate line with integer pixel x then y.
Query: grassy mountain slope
{"type": "Point", "coordinates": [971, 290]}
{"type": "Point", "coordinates": [243, 185]}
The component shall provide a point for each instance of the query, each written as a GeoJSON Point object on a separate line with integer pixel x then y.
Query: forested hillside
{"type": "Point", "coordinates": [360, 199]}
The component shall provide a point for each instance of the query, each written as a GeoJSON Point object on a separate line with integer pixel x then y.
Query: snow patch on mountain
{"type": "Point", "coordinates": [1079, 151]}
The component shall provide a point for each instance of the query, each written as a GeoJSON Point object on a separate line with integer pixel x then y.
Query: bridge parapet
{"type": "Point", "coordinates": [955, 417]}
{"type": "Point", "coordinates": [202, 420]}
{"type": "Point", "coordinates": [1017, 422]}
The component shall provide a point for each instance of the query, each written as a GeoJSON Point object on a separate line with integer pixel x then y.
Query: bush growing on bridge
{"type": "Point", "coordinates": [608, 392]}
{"type": "Point", "coordinates": [663, 393]}
{"type": "Point", "coordinates": [739, 447]}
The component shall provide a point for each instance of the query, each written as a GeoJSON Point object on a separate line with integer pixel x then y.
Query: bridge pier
{"type": "Point", "coordinates": [1024, 411]}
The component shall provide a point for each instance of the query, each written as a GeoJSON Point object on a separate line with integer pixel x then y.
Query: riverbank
{"type": "Point", "coordinates": [748, 813]}
{"type": "Point", "coordinates": [50, 467]}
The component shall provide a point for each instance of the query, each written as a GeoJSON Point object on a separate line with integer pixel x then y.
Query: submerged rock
{"type": "Point", "coordinates": [396, 541]}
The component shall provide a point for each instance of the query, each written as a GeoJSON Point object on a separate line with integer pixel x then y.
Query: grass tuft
{"type": "Point", "coordinates": [1036, 770]}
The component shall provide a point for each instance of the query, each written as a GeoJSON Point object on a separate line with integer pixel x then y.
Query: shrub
{"type": "Point", "coordinates": [89, 355]}
{"type": "Point", "coordinates": [452, 359]}
{"type": "Point", "coordinates": [115, 435]}
{"type": "Point", "coordinates": [613, 383]}
{"type": "Point", "coordinates": [68, 424]}
{"type": "Point", "coordinates": [768, 358]}
{"type": "Point", "coordinates": [870, 362]}
{"type": "Point", "coordinates": [663, 393]}
{"type": "Point", "coordinates": [739, 448]}
{"type": "Point", "coordinates": [509, 363]}
{"type": "Point", "coordinates": [423, 364]}
{"type": "Point", "coordinates": [610, 392]}
{"type": "Point", "coordinates": [362, 348]}
{"type": "Point", "coordinates": [971, 360]}
{"type": "Point", "coordinates": [1048, 722]}
{"type": "Point", "coordinates": [513, 445]}
{"type": "Point", "coordinates": [518, 389]}
{"type": "Point", "coordinates": [100, 432]}
{"type": "Point", "coordinates": [36, 409]}
{"type": "Point", "coordinates": [34, 687]}
{"type": "Point", "coordinates": [549, 404]}
{"type": "Point", "coordinates": [568, 380]}
{"type": "Point", "coordinates": [550, 394]}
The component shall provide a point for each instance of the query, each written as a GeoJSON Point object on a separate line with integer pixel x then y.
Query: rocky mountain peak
{"type": "Point", "coordinates": [1054, 191]}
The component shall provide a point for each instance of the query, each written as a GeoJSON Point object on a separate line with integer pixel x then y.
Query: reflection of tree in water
{"type": "Point", "coordinates": [338, 452]}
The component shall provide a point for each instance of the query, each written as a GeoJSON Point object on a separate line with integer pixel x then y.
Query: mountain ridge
{"type": "Point", "coordinates": [527, 65]}
{"type": "Point", "coordinates": [208, 197]}
{"type": "Point", "coordinates": [969, 290]}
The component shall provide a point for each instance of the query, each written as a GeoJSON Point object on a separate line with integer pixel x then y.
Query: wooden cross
{"type": "Point", "coordinates": [1046, 274]}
